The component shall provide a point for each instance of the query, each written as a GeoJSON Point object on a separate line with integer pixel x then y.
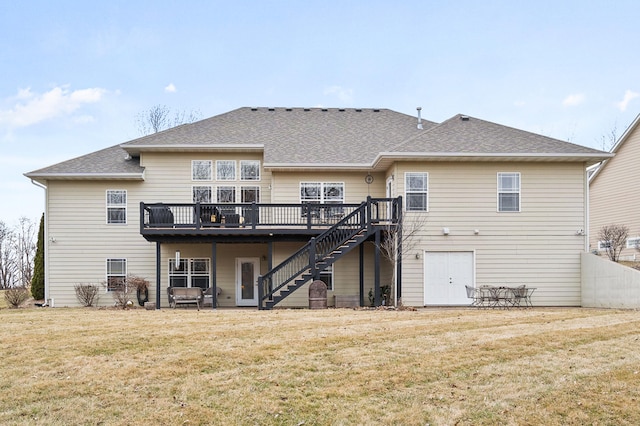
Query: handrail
{"type": "Point", "coordinates": [306, 257]}
{"type": "Point", "coordinates": [320, 248]}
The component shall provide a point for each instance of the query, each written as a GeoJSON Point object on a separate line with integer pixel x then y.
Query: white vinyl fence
{"type": "Point", "coordinates": [606, 284]}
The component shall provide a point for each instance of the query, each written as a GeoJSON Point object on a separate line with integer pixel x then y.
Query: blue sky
{"type": "Point", "coordinates": [75, 74]}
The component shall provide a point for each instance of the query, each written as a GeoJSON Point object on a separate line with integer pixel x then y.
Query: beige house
{"type": "Point", "coordinates": [257, 202]}
{"type": "Point", "coordinates": [613, 200]}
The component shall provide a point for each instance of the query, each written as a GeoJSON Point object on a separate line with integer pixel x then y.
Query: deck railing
{"type": "Point", "coordinates": [211, 216]}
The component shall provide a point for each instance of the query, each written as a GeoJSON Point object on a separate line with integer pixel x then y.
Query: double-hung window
{"type": "Point", "coordinates": [416, 191]}
{"type": "Point", "coordinates": [509, 192]}
{"type": "Point", "coordinates": [116, 206]}
{"type": "Point", "coordinates": [116, 273]}
{"type": "Point", "coordinates": [201, 170]}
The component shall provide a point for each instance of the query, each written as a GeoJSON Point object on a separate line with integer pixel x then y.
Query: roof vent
{"type": "Point", "coordinates": [307, 109]}
{"type": "Point", "coordinates": [419, 118]}
{"type": "Point", "coordinates": [464, 117]}
{"type": "Point", "coordinates": [358, 110]}
{"type": "Point", "coordinates": [289, 109]}
{"type": "Point", "coordinates": [341, 109]}
{"type": "Point", "coordinates": [272, 109]}
{"type": "Point", "coordinates": [324, 110]}
{"type": "Point", "coordinates": [376, 110]}
{"type": "Point", "coordinates": [254, 109]}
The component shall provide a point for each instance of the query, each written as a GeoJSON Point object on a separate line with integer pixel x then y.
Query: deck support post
{"type": "Point", "coordinates": [158, 288]}
{"type": "Point", "coordinates": [376, 268]}
{"type": "Point", "coordinates": [361, 252]}
{"type": "Point", "coordinates": [214, 273]}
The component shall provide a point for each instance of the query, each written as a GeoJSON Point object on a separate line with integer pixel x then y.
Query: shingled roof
{"type": "Point", "coordinates": [325, 138]}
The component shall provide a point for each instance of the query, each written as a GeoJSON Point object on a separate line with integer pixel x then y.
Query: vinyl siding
{"type": "Point", "coordinates": [613, 198]}
{"type": "Point", "coordinates": [537, 246]}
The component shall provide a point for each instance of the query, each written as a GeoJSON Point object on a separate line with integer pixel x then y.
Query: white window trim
{"type": "Point", "coordinates": [322, 186]}
{"type": "Point", "coordinates": [189, 273]}
{"type": "Point", "coordinates": [193, 163]}
{"type": "Point", "coordinates": [118, 206]}
{"type": "Point", "coordinates": [331, 272]}
{"type": "Point", "coordinates": [259, 171]}
{"type": "Point", "coordinates": [106, 270]}
{"type": "Point", "coordinates": [602, 245]}
{"type": "Point", "coordinates": [235, 170]}
{"type": "Point", "coordinates": [426, 192]}
{"type": "Point", "coordinates": [235, 194]}
{"type": "Point", "coordinates": [193, 187]}
{"type": "Point", "coordinates": [632, 242]}
{"type": "Point", "coordinates": [519, 192]}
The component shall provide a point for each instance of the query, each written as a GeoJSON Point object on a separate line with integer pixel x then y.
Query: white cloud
{"type": "Point", "coordinates": [628, 97]}
{"type": "Point", "coordinates": [31, 108]}
{"type": "Point", "coordinates": [344, 95]}
{"type": "Point", "coordinates": [573, 100]}
{"type": "Point", "coordinates": [171, 88]}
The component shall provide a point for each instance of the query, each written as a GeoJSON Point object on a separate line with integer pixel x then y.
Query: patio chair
{"type": "Point", "coordinates": [475, 295]}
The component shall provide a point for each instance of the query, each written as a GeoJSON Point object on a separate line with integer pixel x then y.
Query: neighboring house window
{"type": "Point", "coordinates": [416, 191]}
{"type": "Point", "coordinates": [633, 243]}
{"type": "Point", "coordinates": [116, 273]}
{"type": "Point", "coordinates": [604, 245]}
{"type": "Point", "coordinates": [225, 170]}
{"type": "Point", "coordinates": [226, 194]}
{"type": "Point", "coordinates": [508, 192]}
{"type": "Point", "coordinates": [189, 273]}
{"type": "Point", "coordinates": [201, 169]}
{"type": "Point", "coordinates": [249, 170]}
{"type": "Point", "coordinates": [201, 194]}
{"type": "Point", "coordinates": [326, 276]}
{"type": "Point", "coordinates": [116, 206]}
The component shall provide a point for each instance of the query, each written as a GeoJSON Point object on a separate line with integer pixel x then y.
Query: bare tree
{"type": "Point", "coordinates": [402, 237]}
{"type": "Point", "coordinates": [158, 118]}
{"type": "Point", "coordinates": [8, 263]}
{"type": "Point", "coordinates": [25, 235]}
{"type": "Point", "coordinates": [614, 238]}
{"type": "Point", "coordinates": [608, 140]}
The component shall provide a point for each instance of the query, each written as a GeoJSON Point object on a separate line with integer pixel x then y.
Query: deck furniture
{"type": "Point", "coordinates": [185, 295]}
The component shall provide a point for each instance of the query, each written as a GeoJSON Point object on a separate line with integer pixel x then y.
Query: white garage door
{"type": "Point", "coordinates": [445, 275]}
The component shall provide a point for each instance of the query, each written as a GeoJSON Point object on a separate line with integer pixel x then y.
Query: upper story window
{"type": "Point", "coordinates": [201, 169]}
{"type": "Point", "coordinates": [322, 192]}
{"type": "Point", "coordinates": [225, 170]}
{"type": "Point", "coordinates": [116, 273]}
{"type": "Point", "coordinates": [416, 191]}
{"type": "Point", "coordinates": [116, 206]}
{"type": "Point", "coordinates": [249, 170]}
{"type": "Point", "coordinates": [509, 192]}
{"type": "Point", "coordinates": [201, 194]}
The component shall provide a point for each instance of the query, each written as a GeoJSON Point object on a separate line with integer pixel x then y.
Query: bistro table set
{"type": "Point", "coordinates": [502, 297]}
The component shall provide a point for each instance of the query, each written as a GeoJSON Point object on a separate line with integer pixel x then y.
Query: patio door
{"type": "Point", "coordinates": [247, 271]}
{"type": "Point", "coordinates": [445, 275]}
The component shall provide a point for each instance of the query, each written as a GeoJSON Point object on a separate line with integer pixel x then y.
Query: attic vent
{"type": "Point", "coordinates": [358, 110]}
{"type": "Point", "coordinates": [254, 109]}
{"type": "Point", "coordinates": [272, 109]}
{"type": "Point", "coordinates": [289, 109]}
{"type": "Point", "coordinates": [325, 110]}
{"type": "Point", "coordinates": [464, 117]}
{"type": "Point", "coordinates": [341, 109]}
{"type": "Point", "coordinates": [376, 110]}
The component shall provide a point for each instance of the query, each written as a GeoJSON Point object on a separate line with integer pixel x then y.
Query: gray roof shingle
{"type": "Point", "coordinates": [316, 137]}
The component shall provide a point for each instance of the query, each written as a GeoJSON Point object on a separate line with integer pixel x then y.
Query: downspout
{"type": "Point", "coordinates": [46, 240]}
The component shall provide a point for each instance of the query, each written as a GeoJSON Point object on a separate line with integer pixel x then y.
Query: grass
{"type": "Point", "coordinates": [299, 367]}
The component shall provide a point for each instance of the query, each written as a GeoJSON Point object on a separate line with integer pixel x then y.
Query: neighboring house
{"type": "Point", "coordinates": [224, 201]}
{"type": "Point", "coordinates": [613, 200]}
